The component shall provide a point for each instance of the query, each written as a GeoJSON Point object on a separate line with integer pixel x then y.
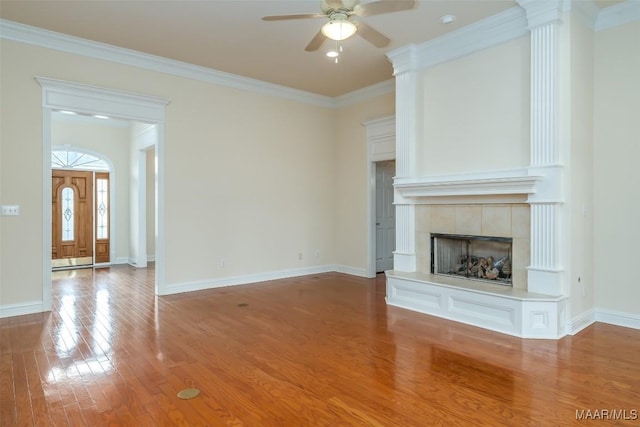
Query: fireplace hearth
{"type": "Point", "coordinates": [472, 257]}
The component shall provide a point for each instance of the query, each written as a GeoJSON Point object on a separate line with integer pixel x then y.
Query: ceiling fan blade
{"type": "Point", "coordinates": [300, 16]}
{"type": "Point", "coordinates": [380, 7]}
{"type": "Point", "coordinates": [372, 36]}
{"type": "Point", "coordinates": [334, 4]}
{"type": "Point", "coordinates": [350, 4]}
{"type": "Point", "coordinates": [316, 42]}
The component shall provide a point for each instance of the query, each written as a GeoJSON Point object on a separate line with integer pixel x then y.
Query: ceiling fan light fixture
{"type": "Point", "coordinates": [339, 28]}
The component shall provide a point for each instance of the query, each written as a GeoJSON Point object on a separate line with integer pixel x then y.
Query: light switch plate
{"type": "Point", "coordinates": [10, 210]}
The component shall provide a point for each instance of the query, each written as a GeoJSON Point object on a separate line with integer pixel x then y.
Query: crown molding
{"type": "Point", "coordinates": [49, 39]}
{"type": "Point", "coordinates": [543, 12]}
{"type": "Point", "coordinates": [405, 59]}
{"type": "Point", "coordinates": [364, 94]}
{"type": "Point", "coordinates": [618, 14]}
{"type": "Point", "coordinates": [492, 31]}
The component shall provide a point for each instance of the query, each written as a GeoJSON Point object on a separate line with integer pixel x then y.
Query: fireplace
{"type": "Point", "coordinates": [473, 257]}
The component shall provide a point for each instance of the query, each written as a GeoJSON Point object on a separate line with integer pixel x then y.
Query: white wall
{"type": "Point", "coordinates": [151, 204]}
{"type": "Point", "coordinates": [476, 112]}
{"type": "Point", "coordinates": [616, 171]}
{"type": "Point", "coordinates": [113, 143]}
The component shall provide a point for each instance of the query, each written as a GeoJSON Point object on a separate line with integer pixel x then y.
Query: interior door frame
{"type": "Point", "coordinates": [59, 95]}
{"type": "Point", "coordinates": [381, 146]}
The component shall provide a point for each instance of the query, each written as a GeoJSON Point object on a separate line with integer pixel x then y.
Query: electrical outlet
{"type": "Point", "coordinates": [299, 256]}
{"type": "Point", "coordinates": [10, 210]}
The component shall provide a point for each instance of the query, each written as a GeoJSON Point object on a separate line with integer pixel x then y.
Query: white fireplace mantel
{"type": "Point", "coordinates": [518, 182]}
{"type": "Point", "coordinates": [542, 312]}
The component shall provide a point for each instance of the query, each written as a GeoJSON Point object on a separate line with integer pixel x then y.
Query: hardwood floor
{"type": "Point", "coordinates": [321, 350]}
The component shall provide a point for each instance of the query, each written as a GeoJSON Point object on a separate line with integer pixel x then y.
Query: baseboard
{"type": "Point", "coordinates": [245, 279]}
{"type": "Point", "coordinates": [151, 258]}
{"type": "Point", "coordinates": [121, 260]}
{"type": "Point", "coordinates": [582, 321]}
{"type": "Point", "coordinates": [10, 310]}
{"type": "Point", "coordinates": [353, 271]}
{"type": "Point", "coordinates": [628, 320]}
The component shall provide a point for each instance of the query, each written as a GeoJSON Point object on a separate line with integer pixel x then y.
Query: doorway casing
{"type": "Point", "coordinates": [381, 146]}
{"type": "Point", "coordinates": [59, 95]}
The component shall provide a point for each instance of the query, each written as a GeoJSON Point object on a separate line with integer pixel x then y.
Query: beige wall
{"type": "Point", "coordinates": [616, 171]}
{"type": "Point", "coordinates": [580, 165]}
{"type": "Point", "coordinates": [476, 112]}
{"type": "Point", "coordinates": [113, 143]}
{"type": "Point", "coordinates": [249, 177]}
{"type": "Point", "coordinates": [352, 180]}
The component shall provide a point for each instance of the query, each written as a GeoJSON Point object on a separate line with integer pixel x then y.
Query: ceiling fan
{"type": "Point", "coordinates": [340, 26]}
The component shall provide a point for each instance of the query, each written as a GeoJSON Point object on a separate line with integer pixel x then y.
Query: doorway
{"type": "Point", "coordinates": [98, 102]}
{"type": "Point", "coordinates": [385, 216]}
{"type": "Point", "coordinates": [80, 218]}
{"type": "Point", "coordinates": [71, 218]}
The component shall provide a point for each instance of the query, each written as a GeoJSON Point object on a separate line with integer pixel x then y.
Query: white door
{"type": "Point", "coordinates": [385, 216]}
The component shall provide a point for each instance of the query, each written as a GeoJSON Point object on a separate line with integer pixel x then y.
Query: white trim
{"type": "Point", "coordinates": [541, 13]}
{"type": "Point", "coordinates": [618, 14]}
{"type": "Point", "coordinates": [492, 31]}
{"type": "Point", "coordinates": [381, 146]}
{"type": "Point", "coordinates": [618, 318]}
{"type": "Point", "coordinates": [502, 182]}
{"type": "Point", "coordinates": [89, 99]}
{"type": "Point", "coordinates": [46, 207]}
{"type": "Point", "coordinates": [352, 271]}
{"type": "Point", "coordinates": [151, 258]}
{"type": "Point", "coordinates": [31, 307]}
{"type": "Point", "coordinates": [120, 260]}
{"type": "Point", "coordinates": [494, 307]}
{"type": "Point", "coordinates": [199, 285]}
{"type": "Point", "coordinates": [62, 42]}
{"type": "Point", "coordinates": [582, 321]}
{"type": "Point", "coordinates": [58, 94]}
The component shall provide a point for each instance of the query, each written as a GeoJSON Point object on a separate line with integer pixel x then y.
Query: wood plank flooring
{"type": "Point", "coordinates": [322, 350]}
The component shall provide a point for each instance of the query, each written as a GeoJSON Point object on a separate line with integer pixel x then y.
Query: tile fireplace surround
{"type": "Point", "coordinates": [522, 310]}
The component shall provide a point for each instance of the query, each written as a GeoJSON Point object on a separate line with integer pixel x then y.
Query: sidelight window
{"type": "Point", "coordinates": [102, 208]}
{"type": "Point", "coordinates": [68, 214]}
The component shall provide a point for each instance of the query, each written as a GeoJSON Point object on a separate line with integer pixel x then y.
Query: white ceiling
{"type": "Point", "coordinates": [229, 35]}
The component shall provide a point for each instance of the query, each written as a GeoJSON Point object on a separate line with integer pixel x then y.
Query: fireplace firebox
{"type": "Point", "coordinates": [472, 257]}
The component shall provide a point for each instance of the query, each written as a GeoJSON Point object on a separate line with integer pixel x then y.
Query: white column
{"type": "Point", "coordinates": [409, 106]}
{"type": "Point", "coordinates": [545, 271]}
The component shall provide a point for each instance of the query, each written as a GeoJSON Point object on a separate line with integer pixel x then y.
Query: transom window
{"type": "Point", "coordinates": [70, 159]}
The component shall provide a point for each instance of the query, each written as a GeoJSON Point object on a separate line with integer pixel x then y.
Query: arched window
{"type": "Point", "coordinates": [72, 159]}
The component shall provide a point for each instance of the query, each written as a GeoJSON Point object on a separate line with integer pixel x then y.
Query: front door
{"type": "Point", "coordinates": [385, 216]}
{"type": "Point", "coordinates": [72, 218]}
